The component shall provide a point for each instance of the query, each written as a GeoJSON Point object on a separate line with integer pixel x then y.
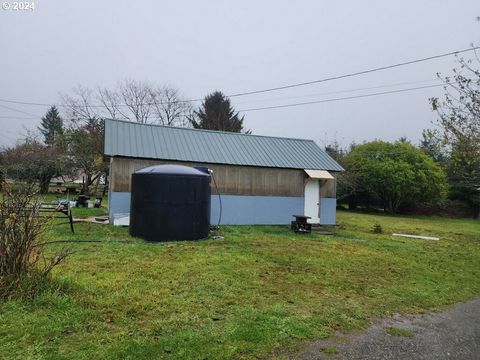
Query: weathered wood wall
{"type": "Point", "coordinates": [328, 188]}
{"type": "Point", "coordinates": [231, 179]}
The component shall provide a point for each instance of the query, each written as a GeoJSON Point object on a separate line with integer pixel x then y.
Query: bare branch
{"type": "Point", "coordinates": [137, 97]}
{"type": "Point", "coordinates": [169, 106]}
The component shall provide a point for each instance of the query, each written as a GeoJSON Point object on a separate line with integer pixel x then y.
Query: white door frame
{"type": "Point", "coordinates": [312, 200]}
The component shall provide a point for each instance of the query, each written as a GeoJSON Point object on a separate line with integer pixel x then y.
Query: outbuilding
{"type": "Point", "coordinates": [260, 179]}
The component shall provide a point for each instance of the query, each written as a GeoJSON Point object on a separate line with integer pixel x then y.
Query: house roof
{"type": "Point", "coordinates": [124, 138]}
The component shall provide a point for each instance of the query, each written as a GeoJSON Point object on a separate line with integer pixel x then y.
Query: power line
{"type": "Point", "coordinates": [18, 117]}
{"type": "Point", "coordinates": [27, 103]}
{"type": "Point", "coordinates": [94, 105]}
{"type": "Point", "coordinates": [19, 111]}
{"type": "Point", "coordinates": [340, 99]}
{"type": "Point", "coordinates": [345, 91]}
{"type": "Point", "coordinates": [355, 73]}
{"type": "Point", "coordinates": [289, 86]}
{"type": "Point", "coordinates": [262, 100]}
{"type": "Point", "coordinates": [337, 99]}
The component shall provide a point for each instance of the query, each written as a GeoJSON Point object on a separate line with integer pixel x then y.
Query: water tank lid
{"type": "Point", "coordinates": [171, 170]}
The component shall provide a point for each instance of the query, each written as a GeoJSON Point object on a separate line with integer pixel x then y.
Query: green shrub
{"type": "Point", "coordinates": [394, 174]}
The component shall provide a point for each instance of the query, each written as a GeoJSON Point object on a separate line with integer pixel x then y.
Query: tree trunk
{"type": "Point", "coordinates": [352, 203]}
{"type": "Point", "coordinates": [82, 191]}
{"type": "Point", "coordinates": [390, 207]}
{"type": "Point", "coordinates": [105, 186]}
{"type": "Point", "coordinates": [44, 184]}
{"type": "Point", "coordinates": [476, 212]}
{"type": "Point", "coordinates": [97, 183]}
{"type": "Point", "coordinates": [86, 183]}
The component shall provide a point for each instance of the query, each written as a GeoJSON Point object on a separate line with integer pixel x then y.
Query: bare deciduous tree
{"type": "Point", "coordinates": [137, 97]}
{"type": "Point", "coordinates": [131, 100]}
{"type": "Point", "coordinates": [170, 107]}
{"type": "Point", "coordinates": [459, 123]}
{"type": "Point", "coordinates": [111, 100]}
{"type": "Point", "coordinates": [80, 106]}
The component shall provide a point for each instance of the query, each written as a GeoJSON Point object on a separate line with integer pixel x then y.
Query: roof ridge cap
{"type": "Point", "coordinates": [230, 133]}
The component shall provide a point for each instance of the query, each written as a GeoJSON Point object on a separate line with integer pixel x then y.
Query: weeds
{"type": "Point", "coordinates": [24, 268]}
{"type": "Point", "coordinates": [377, 228]}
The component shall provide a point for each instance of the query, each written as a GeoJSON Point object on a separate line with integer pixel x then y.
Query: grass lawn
{"type": "Point", "coordinates": [259, 293]}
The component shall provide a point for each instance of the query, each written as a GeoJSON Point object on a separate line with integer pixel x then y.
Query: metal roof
{"type": "Point", "coordinates": [124, 138]}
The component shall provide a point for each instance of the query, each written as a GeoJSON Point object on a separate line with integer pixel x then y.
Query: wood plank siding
{"type": "Point", "coordinates": [328, 188]}
{"type": "Point", "coordinates": [231, 179]}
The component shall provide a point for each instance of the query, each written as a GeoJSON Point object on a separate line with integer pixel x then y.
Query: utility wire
{"type": "Point", "coordinates": [344, 91]}
{"type": "Point", "coordinates": [355, 73]}
{"type": "Point", "coordinates": [338, 99]}
{"type": "Point", "coordinates": [219, 200]}
{"type": "Point", "coordinates": [341, 98]}
{"type": "Point", "coordinates": [283, 98]}
{"type": "Point", "coordinates": [82, 241]}
{"type": "Point", "coordinates": [96, 105]}
{"type": "Point", "coordinates": [19, 111]}
{"type": "Point", "coordinates": [289, 86]}
{"type": "Point", "coordinates": [18, 117]}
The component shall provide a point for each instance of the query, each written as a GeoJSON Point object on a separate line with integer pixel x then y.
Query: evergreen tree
{"type": "Point", "coordinates": [51, 126]}
{"type": "Point", "coordinates": [216, 113]}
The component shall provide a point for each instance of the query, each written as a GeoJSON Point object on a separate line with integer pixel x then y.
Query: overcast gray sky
{"type": "Point", "coordinates": [235, 46]}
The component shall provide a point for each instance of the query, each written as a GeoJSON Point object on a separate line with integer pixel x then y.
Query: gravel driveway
{"type": "Point", "coordinates": [451, 334]}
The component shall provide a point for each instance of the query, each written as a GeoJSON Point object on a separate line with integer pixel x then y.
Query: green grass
{"type": "Point", "coordinates": [259, 293]}
{"type": "Point", "coordinates": [329, 350]}
{"type": "Point", "coordinates": [394, 331]}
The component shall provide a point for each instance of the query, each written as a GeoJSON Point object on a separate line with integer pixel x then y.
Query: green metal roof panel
{"type": "Point", "coordinates": [124, 138]}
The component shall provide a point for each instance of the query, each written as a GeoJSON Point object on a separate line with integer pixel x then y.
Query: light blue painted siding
{"type": "Point", "coordinates": [328, 210]}
{"type": "Point", "coordinates": [118, 203]}
{"type": "Point", "coordinates": [236, 209]}
{"type": "Point", "coordinates": [256, 210]}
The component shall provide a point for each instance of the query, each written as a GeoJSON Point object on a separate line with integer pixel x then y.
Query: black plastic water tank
{"type": "Point", "coordinates": [170, 202]}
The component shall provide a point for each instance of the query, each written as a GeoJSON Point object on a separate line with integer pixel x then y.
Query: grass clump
{"type": "Point", "coordinates": [395, 331]}
{"type": "Point", "coordinates": [377, 228]}
{"type": "Point", "coordinates": [329, 350]}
